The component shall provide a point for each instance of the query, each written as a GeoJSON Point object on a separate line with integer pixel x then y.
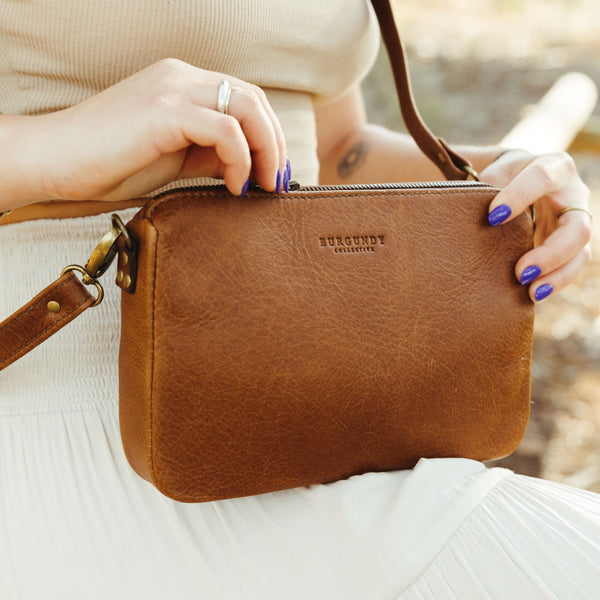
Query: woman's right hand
{"type": "Point", "coordinates": [157, 126]}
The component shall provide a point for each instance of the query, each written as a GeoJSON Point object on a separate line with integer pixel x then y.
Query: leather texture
{"type": "Point", "coordinates": [35, 322]}
{"type": "Point", "coordinates": [275, 342]}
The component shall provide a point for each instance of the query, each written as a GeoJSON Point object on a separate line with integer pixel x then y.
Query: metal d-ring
{"type": "Point", "coordinates": [471, 171]}
{"type": "Point", "coordinates": [118, 224]}
{"type": "Point", "coordinates": [87, 280]}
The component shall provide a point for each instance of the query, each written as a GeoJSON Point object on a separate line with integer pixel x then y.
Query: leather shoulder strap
{"type": "Point", "coordinates": [451, 164]}
{"type": "Point", "coordinates": [44, 315]}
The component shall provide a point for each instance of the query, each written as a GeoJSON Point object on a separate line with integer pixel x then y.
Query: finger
{"type": "Point", "coordinates": [565, 242]}
{"type": "Point", "coordinates": [284, 163]}
{"type": "Point", "coordinates": [248, 104]}
{"type": "Point", "coordinates": [205, 127]}
{"type": "Point", "coordinates": [550, 174]}
{"type": "Point", "coordinates": [182, 80]}
{"type": "Point", "coordinates": [505, 166]}
{"type": "Point", "coordinates": [560, 278]}
{"type": "Point", "coordinates": [216, 78]}
{"type": "Point", "coordinates": [247, 107]}
{"type": "Point", "coordinates": [265, 178]}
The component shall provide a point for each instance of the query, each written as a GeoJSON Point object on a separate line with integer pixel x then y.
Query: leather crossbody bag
{"type": "Point", "coordinates": [289, 340]}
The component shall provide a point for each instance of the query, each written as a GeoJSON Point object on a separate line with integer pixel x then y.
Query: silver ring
{"type": "Point", "coordinates": [583, 210]}
{"type": "Point", "coordinates": [223, 96]}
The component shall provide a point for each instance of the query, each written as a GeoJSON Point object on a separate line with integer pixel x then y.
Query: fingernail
{"type": "Point", "coordinates": [529, 274]}
{"type": "Point", "coordinates": [543, 292]}
{"type": "Point", "coordinates": [278, 182]}
{"type": "Point", "coordinates": [245, 188]}
{"type": "Point", "coordinates": [288, 168]}
{"type": "Point", "coordinates": [499, 215]}
{"type": "Point", "coordinates": [286, 181]}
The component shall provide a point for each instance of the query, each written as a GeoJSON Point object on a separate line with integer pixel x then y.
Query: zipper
{"type": "Point", "coordinates": [419, 185]}
{"type": "Point", "coordinates": [354, 187]}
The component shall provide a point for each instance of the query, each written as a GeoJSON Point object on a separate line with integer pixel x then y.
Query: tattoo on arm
{"type": "Point", "coordinates": [353, 159]}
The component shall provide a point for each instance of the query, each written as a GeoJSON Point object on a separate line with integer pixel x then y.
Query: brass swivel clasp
{"type": "Point", "coordinates": [102, 256]}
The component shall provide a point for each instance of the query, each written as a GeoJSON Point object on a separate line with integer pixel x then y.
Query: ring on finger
{"type": "Point", "coordinates": [569, 208]}
{"type": "Point", "coordinates": [224, 96]}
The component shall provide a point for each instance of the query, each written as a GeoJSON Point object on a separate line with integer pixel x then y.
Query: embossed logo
{"type": "Point", "coordinates": [351, 244]}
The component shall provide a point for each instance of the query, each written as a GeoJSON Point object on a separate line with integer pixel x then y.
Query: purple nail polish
{"type": "Point", "coordinates": [288, 168]}
{"type": "Point", "coordinates": [499, 215]}
{"type": "Point", "coordinates": [286, 181]}
{"type": "Point", "coordinates": [278, 182]}
{"type": "Point", "coordinates": [543, 292]}
{"type": "Point", "coordinates": [245, 188]}
{"type": "Point", "coordinates": [529, 274]}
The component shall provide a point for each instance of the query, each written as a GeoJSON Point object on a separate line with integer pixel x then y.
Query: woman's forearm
{"type": "Point", "coordinates": [373, 154]}
{"type": "Point", "coordinates": [21, 180]}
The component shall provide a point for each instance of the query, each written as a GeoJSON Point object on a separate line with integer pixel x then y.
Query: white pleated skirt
{"type": "Point", "coordinates": [77, 523]}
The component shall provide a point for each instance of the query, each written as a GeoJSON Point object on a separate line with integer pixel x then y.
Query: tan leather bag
{"type": "Point", "coordinates": [277, 341]}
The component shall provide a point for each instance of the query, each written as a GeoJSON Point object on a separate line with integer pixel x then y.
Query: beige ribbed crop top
{"type": "Point", "coordinates": [56, 53]}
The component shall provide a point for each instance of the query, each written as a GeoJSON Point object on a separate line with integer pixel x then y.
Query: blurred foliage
{"type": "Point", "coordinates": [479, 62]}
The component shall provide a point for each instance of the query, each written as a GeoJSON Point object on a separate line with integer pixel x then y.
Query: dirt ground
{"type": "Point", "coordinates": [475, 66]}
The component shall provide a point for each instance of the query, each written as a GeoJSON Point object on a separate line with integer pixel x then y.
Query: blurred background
{"type": "Point", "coordinates": [477, 65]}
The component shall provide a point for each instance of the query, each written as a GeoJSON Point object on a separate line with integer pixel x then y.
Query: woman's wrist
{"type": "Point", "coordinates": [21, 148]}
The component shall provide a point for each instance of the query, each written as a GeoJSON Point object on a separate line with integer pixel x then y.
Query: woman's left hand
{"type": "Point", "coordinates": [550, 183]}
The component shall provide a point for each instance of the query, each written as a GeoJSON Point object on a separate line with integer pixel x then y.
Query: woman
{"type": "Point", "coordinates": [110, 101]}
